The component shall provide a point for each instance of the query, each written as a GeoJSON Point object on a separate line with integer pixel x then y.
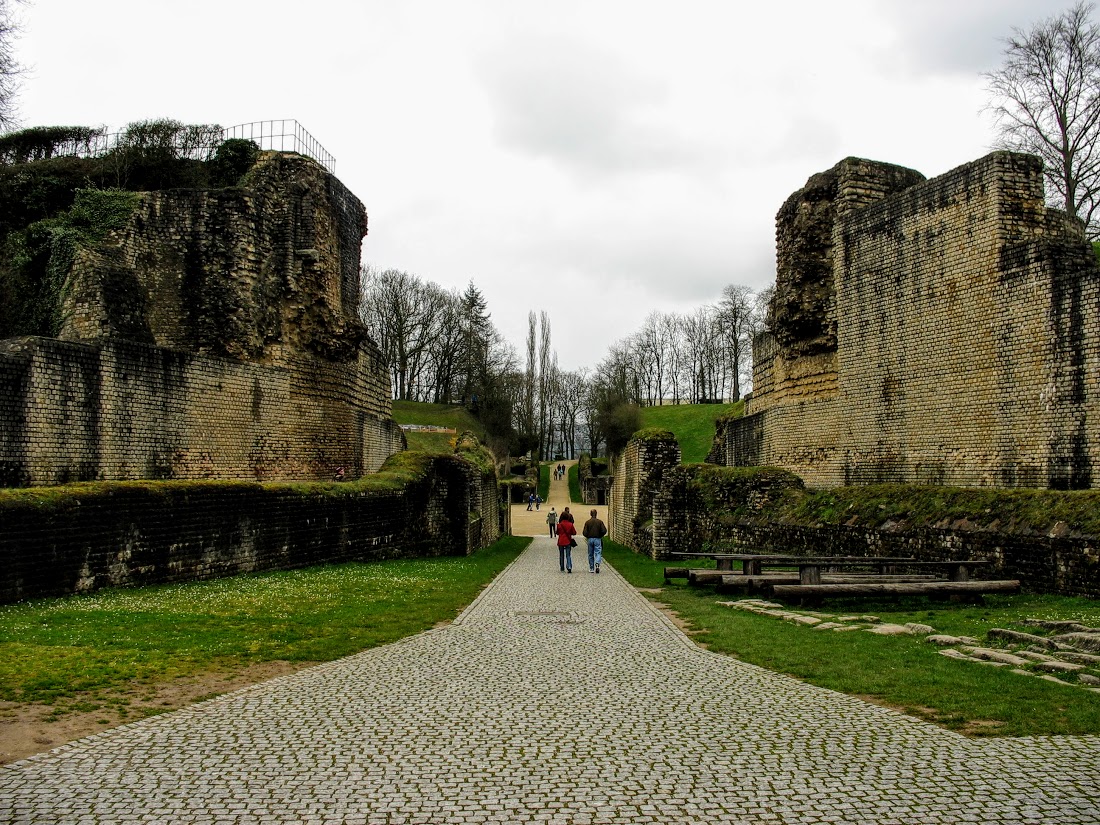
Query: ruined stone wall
{"type": "Point", "coordinates": [118, 410]}
{"type": "Point", "coordinates": [805, 438]}
{"type": "Point", "coordinates": [85, 537]}
{"type": "Point", "coordinates": [595, 489]}
{"type": "Point", "coordinates": [638, 473]}
{"type": "Point", "coordinates": [262, 272]}
{"type": "Point", "coordinates": [963, 360]}
{"type": "Point", "coordinates": [954, 345]}
{"type": "Point", "coordinates": [216, 336]}
{"type": "Point", "coordinates": [700, 508]}
{"type": "Point", "coordinates": [1067, 565]}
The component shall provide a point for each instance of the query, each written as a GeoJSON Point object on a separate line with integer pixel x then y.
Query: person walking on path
{"type": "Point", "coordinates": [594, 531]}
{"type": "Point", "coordinates": [566, 531]}
{"type": "Point", "coordinates": [552, 520]}
{"type": "Point", "coordinates": [530, 502]}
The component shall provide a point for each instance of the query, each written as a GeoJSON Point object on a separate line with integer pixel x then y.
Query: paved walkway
{"type": "Point", "coordinates": [553, 698]}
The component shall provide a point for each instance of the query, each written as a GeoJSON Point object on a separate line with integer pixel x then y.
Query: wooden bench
{"type": "Point", "coordinates": [816, 592]}
{"type": "Point", "coordinates": [764, 583]}
{"type": "Point", "coordinates": [810, 570]}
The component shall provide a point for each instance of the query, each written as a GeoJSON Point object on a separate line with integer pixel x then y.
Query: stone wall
{"type": "Point", "coordinates": [700, 507]}
{"type": "Point", "coordinates": [216, 336]}
{"type": "Point", "coordinates": [595, 489]}
{"type": "Point", "coordinates": [938, 333]}
{"type": "Point", "coordinates": [639, 470]}
{"type": "Point", "coordinates": [120, 410]}
{"type": "Point", "coordinates": [263, 272]}
{"type": "Point", "coordinates": [83, 537]}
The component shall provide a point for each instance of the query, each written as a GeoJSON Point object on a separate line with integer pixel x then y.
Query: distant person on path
{"type": "Point", "coordinates": [594, 531]}
{"type": "Point", "coordinates": [552, 520]}
{"type": "Point", "coordinates": [530, 502]}
{"type": "Point", "coordinates": [538, 502]}
{"type": "Point", "coordinates": [566, 531]}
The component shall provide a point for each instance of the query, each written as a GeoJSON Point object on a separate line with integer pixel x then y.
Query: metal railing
{"type": "Point", "coordinates": [282, 136]}
{"type": "Point", "coordinates": [272, 135]}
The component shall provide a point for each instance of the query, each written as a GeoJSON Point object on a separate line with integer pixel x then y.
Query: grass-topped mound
{"type": "Point", "coordinates": [899, 506]}
{"type": "Point", "coordinates": [448, 416]}
{"type": "Point", "coordinates": [692, 424]}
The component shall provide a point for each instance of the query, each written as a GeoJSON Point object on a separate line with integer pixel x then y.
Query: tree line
{"type": "Point", "coordinates": [442, 347]}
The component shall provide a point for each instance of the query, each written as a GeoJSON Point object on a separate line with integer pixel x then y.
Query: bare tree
{"type": "Point", "coordinates": [11, 71]}
{"type": "Point", "coordinates": [570, 401]}
{"type": "Point", "coordinates": [526, 423]}
{"type": "Point", "coordinates": [736, 325]}
{"type": "Point", "coordinates": [403, 315]}
{"type": "Point", "coordinates": [1046, 98]}
{"type": "Point", "coordinates": [547, 378]}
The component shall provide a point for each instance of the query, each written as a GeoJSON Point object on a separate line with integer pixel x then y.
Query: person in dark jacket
{"type": "Point", "coordinates": [594, 531]}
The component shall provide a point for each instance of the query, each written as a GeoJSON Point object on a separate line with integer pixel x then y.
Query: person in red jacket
{"type": "Point", "coordinates": [566, 531]}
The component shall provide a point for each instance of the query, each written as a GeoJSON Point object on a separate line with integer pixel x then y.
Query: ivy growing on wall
{"type": "Point", "coordinates": [54, 200]}
{"type": "Point", "coordinates": [37, 259]}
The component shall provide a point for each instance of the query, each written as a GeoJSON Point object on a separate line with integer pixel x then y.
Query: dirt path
{"type": "Point", "coordinates": [533, 523]}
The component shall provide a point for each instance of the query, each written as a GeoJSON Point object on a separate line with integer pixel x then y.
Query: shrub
{"type": "Point", "coordinates": [232, 159]}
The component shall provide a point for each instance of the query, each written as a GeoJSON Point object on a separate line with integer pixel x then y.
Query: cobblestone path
{"type": "Point", "coordinates": [553, 698]}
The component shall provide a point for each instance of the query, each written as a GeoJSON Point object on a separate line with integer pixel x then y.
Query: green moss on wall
{"type": "Point", "coordinates": [653, 434]}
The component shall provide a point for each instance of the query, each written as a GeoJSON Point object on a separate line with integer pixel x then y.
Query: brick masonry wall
{"type": "Point", "coordinates": [948, 339]}
{"type": "Point", "coordinates": [120, 410]}
{"type": "Point", "coordinates": [638, 473]}
{"type": "Point", "coordinates": [84, 537]}
{"type": "Point", "coordinates": [965, 352]}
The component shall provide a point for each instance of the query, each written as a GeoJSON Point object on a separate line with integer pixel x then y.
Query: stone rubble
{"type": "Point", "coordinates": [1043, 656]}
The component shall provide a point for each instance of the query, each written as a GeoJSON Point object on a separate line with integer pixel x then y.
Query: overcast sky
{"type": "Point", "coordinates": [598, 160]}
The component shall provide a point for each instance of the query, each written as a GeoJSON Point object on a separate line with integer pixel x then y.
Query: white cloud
{"type": "Point", "coordinates": [594, 158]}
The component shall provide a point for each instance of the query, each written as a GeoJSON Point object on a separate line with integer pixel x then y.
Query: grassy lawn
{"type": "Point", "coordinates": [903, 672]}
{"type": "Point", "coordinates": [450, 416]}
{"type": "Point", "coordinates": [692, 424]}
{"type": "Point", "coordinates": [78, 651]}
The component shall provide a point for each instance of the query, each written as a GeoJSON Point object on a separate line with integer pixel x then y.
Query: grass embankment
{"type": "Point", "coordinates": [544, 479]}
{"type": "Point", "coordinates": [85, 652]}
{"type": "Point", "coordinates": [1077, 511]}
{"type": "Point", "coordinates": [902, 672]}
{"type": "Point", "coordinates": [692, 424]}
{"type": "Point", "coordinates": [451, 416]}
{"type": "Point", "coordinates": [573, 477]}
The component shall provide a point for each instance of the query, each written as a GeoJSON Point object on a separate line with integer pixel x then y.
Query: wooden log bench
{"type": "Point", "coordinates": [677, 573]}
{"type": "Point", "coordinates": [735, 583]}
{"type": "Point", "coordinates": [739, 583]}
{"type": "Point", "coordinates": [706, 576]}
{"type": "Point", "coordinates": [914, 588]}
